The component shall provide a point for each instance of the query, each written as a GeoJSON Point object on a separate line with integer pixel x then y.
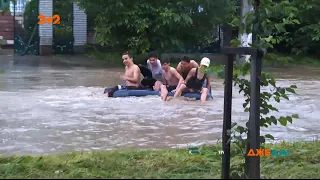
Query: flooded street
{"type": "Point", "coordinates": [54, 109]}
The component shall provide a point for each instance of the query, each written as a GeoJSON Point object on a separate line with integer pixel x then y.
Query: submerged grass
{"type": "Point", "coordinates": [303, 162]}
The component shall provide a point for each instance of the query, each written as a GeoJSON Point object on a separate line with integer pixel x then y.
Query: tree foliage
{"type": "Point", "coordinates": [267, 22]}
{"type": "Point", "coordinates": [290, 26]}
{"type": "Point", "coordinates": [142, 25]}
{"type": "Point", "coordinates": [30, 17]}
{"type": "Point", "coordinates": [304, 37]}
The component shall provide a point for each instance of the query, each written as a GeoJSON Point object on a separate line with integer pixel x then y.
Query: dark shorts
{"type": "Point", "coordinates": [145, 71]}
{"type": "Point", "coordinates": [192, 90]}
{"type": "Point", "coordinates": [195, 90]}
{"type": "Point", "coordinates": [148, 82]}
{"type": "Point", "coordinates": [170, 88]}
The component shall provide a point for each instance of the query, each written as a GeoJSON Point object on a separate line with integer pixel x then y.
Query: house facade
{"type": "Point", "coordinates": [12, 16]}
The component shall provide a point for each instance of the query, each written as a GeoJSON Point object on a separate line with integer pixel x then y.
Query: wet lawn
{"type": "Point", "coordinates": [303, 162]}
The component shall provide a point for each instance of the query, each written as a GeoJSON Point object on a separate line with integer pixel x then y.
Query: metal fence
{"type": "Point", "coordinates": [63, 39]}
{"type": "Point", "coordinates": [26, 28]}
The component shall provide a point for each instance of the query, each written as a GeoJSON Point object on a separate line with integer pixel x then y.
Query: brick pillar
{"type": "Point", "coordinates": [6, 28]}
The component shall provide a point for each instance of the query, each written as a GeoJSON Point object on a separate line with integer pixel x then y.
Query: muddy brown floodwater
{"type": "Point", "coordinates": [48, 109]}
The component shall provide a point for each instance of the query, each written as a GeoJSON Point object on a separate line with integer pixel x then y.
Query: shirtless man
{"type": "Point", "coordinates": [195, 81]}
{"type": "Point", "coordinates": [131, 75]}
{"type": "Point", "coordinates": [172, 79]}
{"type": "Point", "coordinates": [186, 65]}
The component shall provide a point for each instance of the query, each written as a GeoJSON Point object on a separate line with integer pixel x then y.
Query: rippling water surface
{"type": "Point", "coordinates": [47, 109]}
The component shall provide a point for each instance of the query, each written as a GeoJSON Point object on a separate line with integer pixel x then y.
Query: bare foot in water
{"type": "Point", "coordinates": [203, 102]}
{"type": "Point", "coordinates": [164, 99]}
{"type": "Point", "coordinates": [168, 99]}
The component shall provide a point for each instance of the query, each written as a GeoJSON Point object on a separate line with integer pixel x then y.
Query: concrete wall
{"type": "Point", "coordinates": [46, 30]}
{"type": "Point", "coordinates": [79, 28]}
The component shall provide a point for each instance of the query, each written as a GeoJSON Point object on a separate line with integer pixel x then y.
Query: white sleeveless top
{"type": "Point", "coordinates": [157, 72]}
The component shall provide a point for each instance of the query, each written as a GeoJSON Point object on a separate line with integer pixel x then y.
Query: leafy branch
{"type": "Point", "coordinates": [265, 39]}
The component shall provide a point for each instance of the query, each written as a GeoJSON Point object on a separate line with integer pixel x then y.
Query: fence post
{"type": "Point", "coordinates": [227, 117]}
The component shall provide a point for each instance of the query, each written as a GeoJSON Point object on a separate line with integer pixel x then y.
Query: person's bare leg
{"type": "Point", "coordinates": [164, 92]}
{"type": "Point", "coordinates": [204, 94]}
{"type": "Point", "coordinates": [179, 90]}
{"type": "Point", "coordinates": [157, 86]}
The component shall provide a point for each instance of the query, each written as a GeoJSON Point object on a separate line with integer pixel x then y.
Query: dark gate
{"type": "Point", "coordinates": [26, 28]}
{"type": "Point", "coordinates": [63, 33]}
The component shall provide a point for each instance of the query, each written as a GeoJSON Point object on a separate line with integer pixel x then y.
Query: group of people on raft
{"type": "Point", "coordinates": [160, 76]}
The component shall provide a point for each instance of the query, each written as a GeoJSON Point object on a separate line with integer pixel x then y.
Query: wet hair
{"type": "Point", "coordinates": [185, 59]}
{"type": "Point", "coordinates": [166, 60]}
{"type": "Point", "coordinates": [127, 53]}
{"type": "Point", "coordinates": [152, 54]}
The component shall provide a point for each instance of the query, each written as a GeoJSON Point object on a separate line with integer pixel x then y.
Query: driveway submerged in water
{"type": "Point", "coordinates": [50, 109]}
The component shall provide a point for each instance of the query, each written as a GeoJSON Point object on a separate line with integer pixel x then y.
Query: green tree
{"type": "Point", "coordinates": [305, 36]}
{"type": "Point", "coordinates": [265, 34]}
{"type": "Point", "coordinates": [30, 18]}
{"type": "Point", "coordinates": [141, 25]}
{"type": "Point", "coordinates": [300, 36]}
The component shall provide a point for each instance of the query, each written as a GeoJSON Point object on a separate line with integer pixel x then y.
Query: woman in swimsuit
{"type": "Point", "coordinates": [195, 80]}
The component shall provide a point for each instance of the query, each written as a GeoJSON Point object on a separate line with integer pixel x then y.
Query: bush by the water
{"type": "Point", "coordinates": [303, 162]}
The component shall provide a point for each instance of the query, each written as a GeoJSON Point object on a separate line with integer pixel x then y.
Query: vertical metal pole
{"type": "Point", "coordinates": [253, 166]}
{"type": "Point", "coordinates": [254, 122]}
{"type": "Point", "coordinates": [227, 117]}
{"type": "Point", "coordinates": [14, 27]}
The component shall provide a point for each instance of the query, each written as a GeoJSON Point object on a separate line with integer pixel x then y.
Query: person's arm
{"type": "Point", "coordinates": [164, 78]}
{"type": "Point", "coordinates": [136, 75]}
{"type": "Point", "coordinates": [177, 75]}
{"type": "Point", "coordinates": [190, 74]}
{"type": "Point", "coordinates": [179, 67]}
{"type": "Point", "coordinates": [208, 82]}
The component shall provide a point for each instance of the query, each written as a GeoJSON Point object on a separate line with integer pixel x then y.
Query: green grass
{"type": "Point", "coordinates": [303, 162]}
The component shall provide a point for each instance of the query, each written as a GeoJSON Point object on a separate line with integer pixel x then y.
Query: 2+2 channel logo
{"type": "Point", "coordinates": [55, 19]}
{"type": "Point", "coordinates": [265, 152]}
